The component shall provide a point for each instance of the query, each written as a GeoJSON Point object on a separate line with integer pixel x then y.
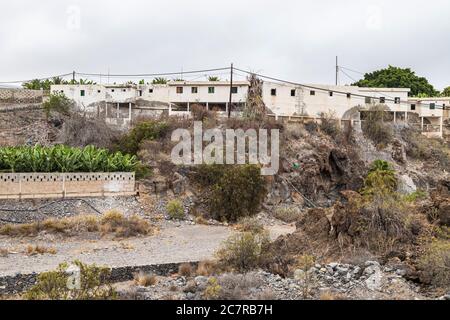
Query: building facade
{"type": "Point", "coordinates": [121, 103]}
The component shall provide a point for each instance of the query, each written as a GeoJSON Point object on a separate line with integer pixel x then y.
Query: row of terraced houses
{"type": "Point", "coordinates": [120, 104]}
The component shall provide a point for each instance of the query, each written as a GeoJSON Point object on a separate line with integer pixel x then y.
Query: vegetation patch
{"type": "Point", "coordinates": [112, 222]}
{"type": "Point", "coordinates": [61, 158]}
{"type": "Point", "coordinates": [93, 284]}
{"type": "Point", "coordinates": [235, 191]}
{"type": "Point", "coordinates": [143, 130]}
{"type": "Point", "coordinates": [243, 252]}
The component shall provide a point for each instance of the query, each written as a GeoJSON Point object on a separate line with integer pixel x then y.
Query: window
{"type": "Point", "coordinates": [382, 100]}
{"type": "Point", "coordinates": [312, 93]}
{"type": "Point", "coordinates": [179, 90]}
{"type": "Point", "coordinates": [98, 91]}
{"type": "Point", "coordinates": [293, 93]}
{"type": "Point", "coordinates": [83, 93]}
{"type": "Point", "coordinates": [194, 90]}
{"type": "Point", "coordinates": [112, 90]}
{"type": "Point", "coordinates": [397, 100]}
{"type": "Point", "coordinates": [368, 100]}
{"type": "Point", "coordinates": [330, 93]}
{"type": "Point", "coordinates": [273, 92]}
{"type": "Point", "coordinates": [140, 93]}
{"type": "Point", "coordinates": [234, 90]}
{"type": "Point", "coordinates": [413, 107]}
{"type": "Point", "coordinates": [124, 90]}
{"type": "Point", "coordinates": [432, 106]}
{"type": "Point", "coordinates": [211, 89]}
{"type": "Point", "coordinates": [349, 95]}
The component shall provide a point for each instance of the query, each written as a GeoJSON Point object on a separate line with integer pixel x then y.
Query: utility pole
{"type": "Point", "coordinates": [73, 77]}
{"type": "Point", "coordinates": [337, 70]}
{"type": "Point", "coordinates": [231, 91]}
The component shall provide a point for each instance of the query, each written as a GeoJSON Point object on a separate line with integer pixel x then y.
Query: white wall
{"type": "Point", "coordinates": [312, 105]}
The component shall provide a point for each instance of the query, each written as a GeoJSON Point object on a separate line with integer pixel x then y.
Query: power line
{"type": "Point", "coordinates": [144, 75]}
{"type": "Point", "coordinates": [328, 90]}
{"type": "Point", "coordinates": [40, 79]}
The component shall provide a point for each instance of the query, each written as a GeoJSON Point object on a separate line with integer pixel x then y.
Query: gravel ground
{"type": "Point", "coordinates": [170, 245]}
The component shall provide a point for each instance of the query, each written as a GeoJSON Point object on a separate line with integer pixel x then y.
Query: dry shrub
{"type": "Point", "coordinates": [375, 128]}
{"type": "Point", "coordinates": [112, 222]}
{"type": "Point", "coordinates": [116, 223]}
{"type": "Point", "coordinates": [420, 147]}
{"type": "Point", "coordinates": [243, 251]}
{"type": "Point", "coordinates": [185, 269]}
{"type": "Point", "coordinates": [33, 250]}
{"type": "Point", "coordinates": [4, 252]}
{"type": "Point", "coordinates": [206, 268]}
{"type": "Point", "coordinates": [287, 214]}
{"type": "Point", "coordinates": [199, 113]}
{"type": "Point", "coordinates": [434, 261]}
{"type": "Point", "coordinates": [237, 286]}
{"type": "Point", "coordinates": [247, 123]}
{"type": "Point", "coordinates": [250, 224]}
{"type": "Point", "coordinates": [329, 124]}
{"type": "Point", "coordinates": [52, 285]}
{"type": "Point", "coordinates": [144, 279]}
{"type": "Point", "coordinates": [328, 295]}
{"type": "Point", "coordinates": [80, 130]}
{"type": "Point", "coordinates": [201, 220]}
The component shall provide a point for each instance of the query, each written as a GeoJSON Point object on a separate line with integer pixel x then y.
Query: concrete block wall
{"type": "Point", "coordinates": [19, 96]}
{"type": "Point", "coordinates": [62, 185]}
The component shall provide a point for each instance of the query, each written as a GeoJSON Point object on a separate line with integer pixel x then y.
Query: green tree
{"type": "Point", "coordinates": [394, 77]}
{"type": "Point", "coordinates": [446, 92]}
{"type": "Point", "coordinates": [212, 78]}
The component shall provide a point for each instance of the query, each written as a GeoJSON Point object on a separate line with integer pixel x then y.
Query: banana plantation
{"type": "Point", "coordinates": [61, 158]}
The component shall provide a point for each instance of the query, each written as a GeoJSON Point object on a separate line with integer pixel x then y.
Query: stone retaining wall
{"type": "Point", "coordinates": [22, 282]}
{"type": "Point", "coordinates": [66, 185]}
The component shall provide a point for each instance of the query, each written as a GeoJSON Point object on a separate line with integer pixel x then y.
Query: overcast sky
{"type": "Point", "coordinates": [294, 40]}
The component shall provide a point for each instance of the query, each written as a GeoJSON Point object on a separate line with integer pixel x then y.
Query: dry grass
{"type": "Point", "coordinates": [33, 250]}
{"type": "Point", "coordinates": [145, 280]}
{"type": "Point", "coordinates": [250, 224]}
{"type": "Point", "coordinates": [287, 214]}
{"type": "Point", "coordinates": [185, 269]}
{"type": "Point", "coordinates": [4, 252]}
{"type": "Point", "coordinates": [112, 222]}
{"type": "Point", "coordinates": [327, 295]}
{"type": "Point", "coordinates": [206, 268]}
{"type": "Point", "coordinates": [201, 220]}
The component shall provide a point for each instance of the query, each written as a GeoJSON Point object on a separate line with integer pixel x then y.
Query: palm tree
{"type": "Point", "coordinates": [213, 78]}
{"type": "Point", "coordinates": [159, 80]}
{"type": "Point", "coordinates": [381, 179]}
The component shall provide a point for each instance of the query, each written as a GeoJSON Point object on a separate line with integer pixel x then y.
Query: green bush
{"type": "Point", "coordinates": [175, 209]}
{"type": "Point", "coordinates": [57, 102]}
{"type": "Point", "coordinates": [243, 252]}
{"type": "Point", "coordinates": [61, 158]}
{"type": "Point", "coordinates": [236, 191]}
{"type": "Point", "coordinates": [53, 285]}
{"type": "Point", "coordinates": [145, 130]}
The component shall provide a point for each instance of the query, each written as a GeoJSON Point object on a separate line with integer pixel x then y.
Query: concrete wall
{"type": "Point", "coordinates": [60, 185]}
{"type": "Point", "coordinates": [18, 96]}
